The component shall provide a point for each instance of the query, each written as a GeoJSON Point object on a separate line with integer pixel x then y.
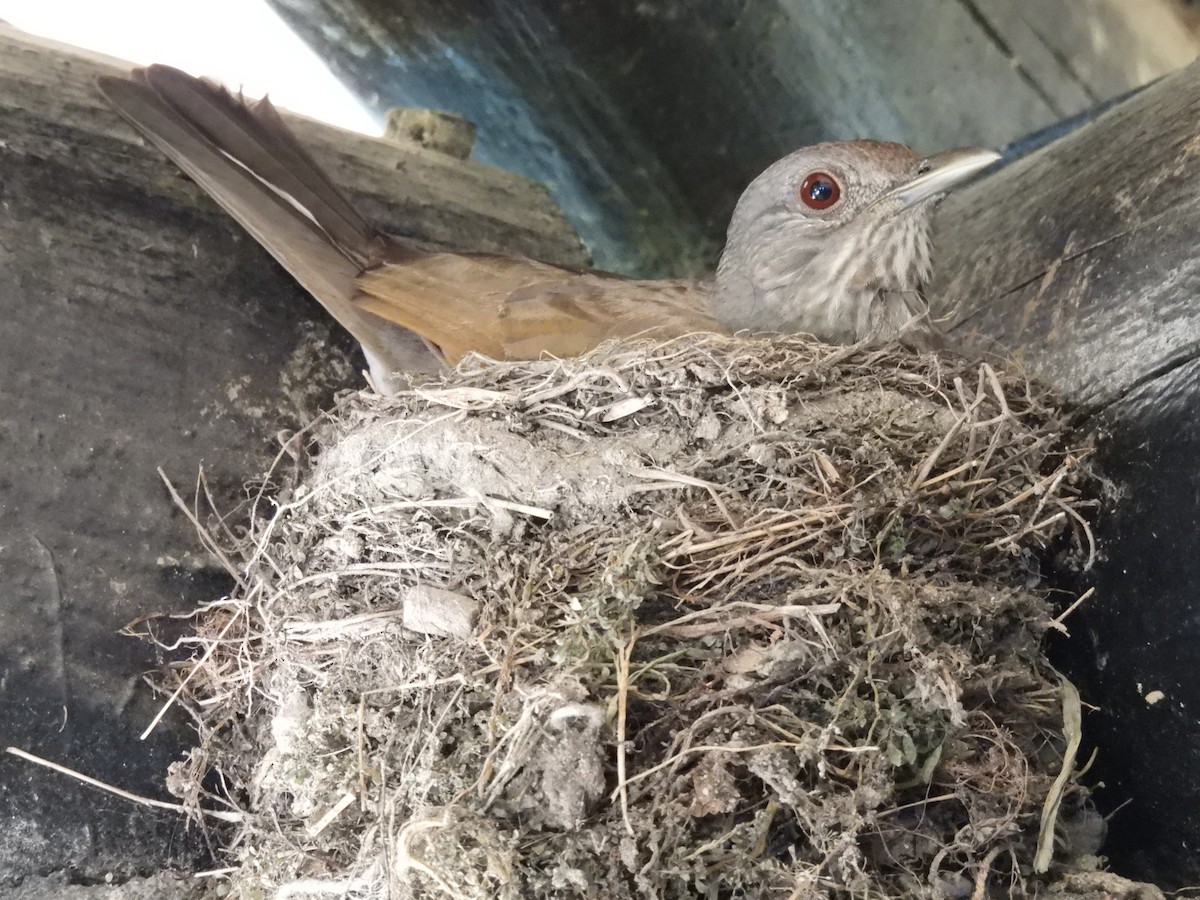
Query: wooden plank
{"type": "Point", "coordinates": [1079, 53]}
{"type": "Point", "coordinates": [49, 87]}
{"type": "Point", "coordinates": [1080, 258]}
{"type": "Point", "coordinates": [1041, 65]}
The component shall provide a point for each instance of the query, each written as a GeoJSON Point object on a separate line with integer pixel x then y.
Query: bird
{"type": "Point", "coordinates": [832, 240]}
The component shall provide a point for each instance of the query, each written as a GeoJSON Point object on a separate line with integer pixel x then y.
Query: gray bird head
{"type": "Point", "coordinates": [833, 240]}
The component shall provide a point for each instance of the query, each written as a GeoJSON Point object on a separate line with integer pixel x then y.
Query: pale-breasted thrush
{"type": "Point", "coordinates": [832, 240]}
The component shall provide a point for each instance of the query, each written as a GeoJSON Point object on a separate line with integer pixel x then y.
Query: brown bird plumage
{"type": "Point", "coordinates": [783, 270]}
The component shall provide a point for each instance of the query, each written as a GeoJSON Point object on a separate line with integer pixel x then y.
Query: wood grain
{"type": "Point", "coordinates": [53, 111]}
{"type": "Point", "coordinates": [1081, 258]}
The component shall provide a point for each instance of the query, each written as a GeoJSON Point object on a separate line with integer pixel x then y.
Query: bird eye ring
{"type": "Point", "coordinates": [819, 190]}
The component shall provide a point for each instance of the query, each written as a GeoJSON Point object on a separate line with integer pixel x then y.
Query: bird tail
{"type": "Point", "coordinates": [245, 157]}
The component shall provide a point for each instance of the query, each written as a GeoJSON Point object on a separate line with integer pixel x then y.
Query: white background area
{"type": "Point", "coordinates": [242, 43]}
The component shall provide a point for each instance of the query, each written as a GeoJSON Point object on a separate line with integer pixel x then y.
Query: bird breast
{"type": "Point", "coordinates": [828, 285]}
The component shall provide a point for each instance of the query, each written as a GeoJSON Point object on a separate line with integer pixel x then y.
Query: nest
{"type": "Point", "coordinates": [711, 618]}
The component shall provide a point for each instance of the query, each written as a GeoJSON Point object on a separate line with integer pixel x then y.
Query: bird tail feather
{"type": "Point", "coordinates": [247, 159]}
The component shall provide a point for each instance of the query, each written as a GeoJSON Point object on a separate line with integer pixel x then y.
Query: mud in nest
{"type": "Point", "coordinates": [712, 618]}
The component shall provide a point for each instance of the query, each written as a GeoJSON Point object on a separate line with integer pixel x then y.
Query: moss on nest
{"type": "Point", "coordinates": [716, 617]}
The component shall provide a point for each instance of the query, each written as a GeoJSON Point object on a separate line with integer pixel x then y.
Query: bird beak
{"type": "Point", "coordinates": [937, 174]}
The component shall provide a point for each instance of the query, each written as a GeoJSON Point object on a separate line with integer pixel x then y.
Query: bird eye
{"type": "Point", "coordinates": [819, 191]}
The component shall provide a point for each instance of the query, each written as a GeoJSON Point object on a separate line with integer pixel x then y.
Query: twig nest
{"type": "Point", "coordinates": [714, 617]}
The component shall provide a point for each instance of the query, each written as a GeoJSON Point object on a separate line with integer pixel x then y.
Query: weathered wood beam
{"type": "Point", "coordinates": [1081, 258]}
{"type": "Point", "coordinates": [47, 95]}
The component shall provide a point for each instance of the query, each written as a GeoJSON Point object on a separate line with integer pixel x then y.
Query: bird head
{"type": "Point", "coordinates": [823, 233]}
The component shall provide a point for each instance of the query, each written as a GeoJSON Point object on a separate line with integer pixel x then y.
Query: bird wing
{"type": "Point", "coordinates": [512, 308]}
